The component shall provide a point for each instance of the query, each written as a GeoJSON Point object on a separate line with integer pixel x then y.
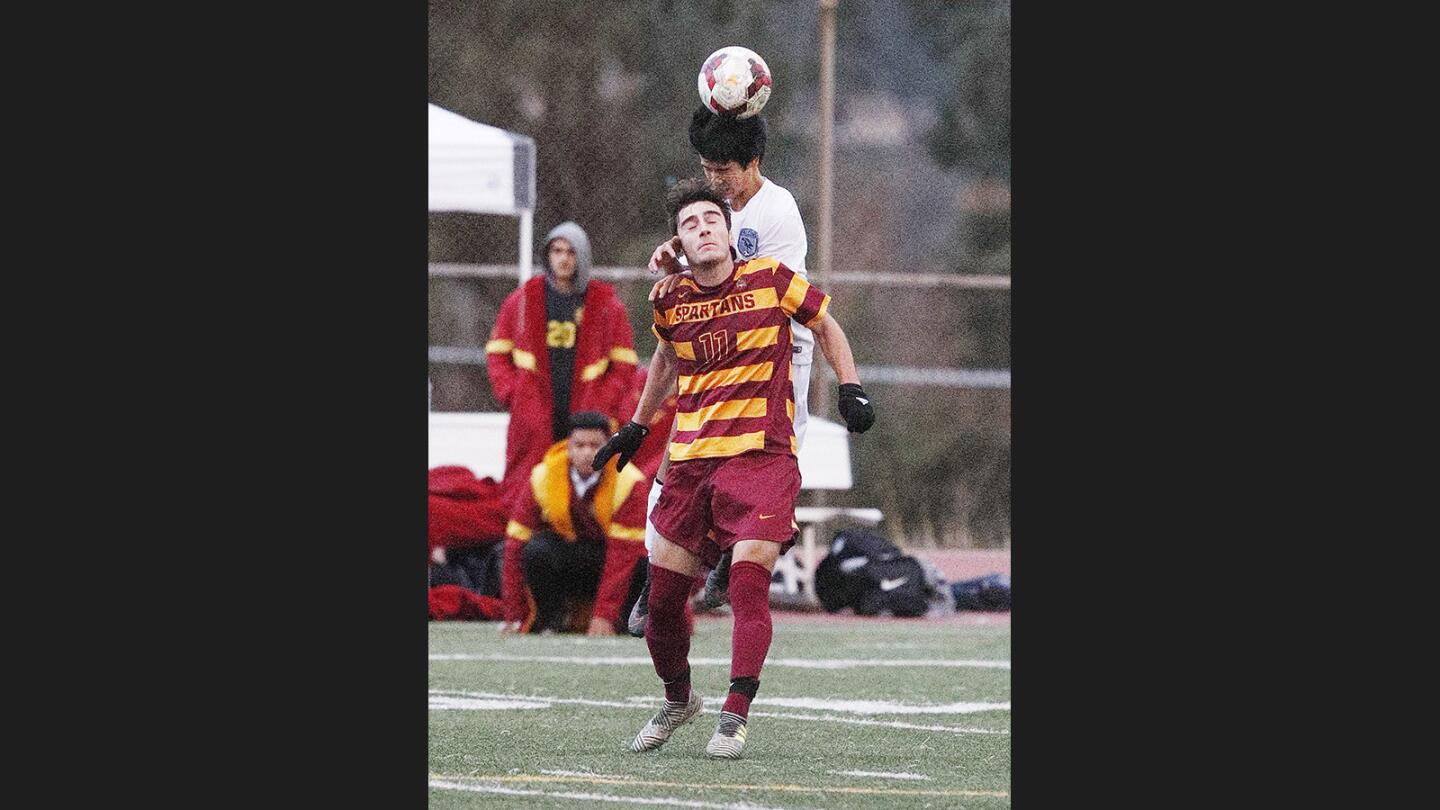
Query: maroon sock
{"type": "Point", "coordinates": [750, 640]}
{"type": "Point", "coordinates": [667, 633]}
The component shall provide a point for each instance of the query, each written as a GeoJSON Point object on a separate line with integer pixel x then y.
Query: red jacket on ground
{"type": "Point", "coordinates": [519, 365]}
{"type": "Point", "coordinates": [545, 504]}
{"type": "Point", "coordinates": [465, 511]}
{"type": "Point", "coordinates": [452, 602]}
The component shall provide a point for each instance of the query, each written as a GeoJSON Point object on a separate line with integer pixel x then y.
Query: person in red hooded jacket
{"type": "Point", "coordinates": [561, 344]}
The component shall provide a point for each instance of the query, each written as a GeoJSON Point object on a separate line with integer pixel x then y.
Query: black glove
{"type": "Point", "coordinates": [625, 442]}
{"type": "Point", "coordinates": [855, 407]}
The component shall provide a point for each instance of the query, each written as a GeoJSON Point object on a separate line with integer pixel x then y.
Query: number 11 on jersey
{"type": "Point", "coordinates": [713, 345]}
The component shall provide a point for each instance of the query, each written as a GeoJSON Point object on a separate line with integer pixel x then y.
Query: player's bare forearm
{"type": "Point", "coordinates": [663, 376]}
{"type": "Point", "coordinates": [664, 468]}
{"type": "Point", "coordinates": [836, 348]}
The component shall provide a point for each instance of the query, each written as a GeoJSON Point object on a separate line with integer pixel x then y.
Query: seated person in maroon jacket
{"type": "Point", "coordinates": [576, 539]}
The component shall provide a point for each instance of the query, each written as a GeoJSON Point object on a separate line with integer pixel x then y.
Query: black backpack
{"type": "Point", "coordinates": [869, 574]}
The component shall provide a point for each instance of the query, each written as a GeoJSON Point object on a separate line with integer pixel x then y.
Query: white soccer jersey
{"type": "Point", "coordinates": [770, 225]}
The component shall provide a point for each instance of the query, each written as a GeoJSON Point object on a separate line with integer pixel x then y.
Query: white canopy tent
{"type": "Point", "coordinates": [484, 170]}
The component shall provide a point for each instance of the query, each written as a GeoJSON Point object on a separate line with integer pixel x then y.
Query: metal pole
{"type": "Point", "coordinates": [827, 128]}
{"type": "Point", "coordinates": [820, 394]}
{"type": "Point", "coordinates": [525, 240]}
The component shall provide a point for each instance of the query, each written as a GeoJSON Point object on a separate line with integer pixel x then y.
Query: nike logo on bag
{"type": "Point", "coordinates": [862, 400]}
{"type": "Point", "coordinates": [892, 584]}
{"type": "Point", "coordinates": [766, 517]}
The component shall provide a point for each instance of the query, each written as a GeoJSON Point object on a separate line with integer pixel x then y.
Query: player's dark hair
{"type": "Point", "coordinates": [693, 190]}
{"type": "Point", "coordinates": [590, 420]}
{"type": "Point", "coordinates": [723, 138]}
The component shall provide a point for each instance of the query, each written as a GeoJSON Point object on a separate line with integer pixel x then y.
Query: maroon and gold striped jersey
{"type": "Point", "coordinates": [733, 342]}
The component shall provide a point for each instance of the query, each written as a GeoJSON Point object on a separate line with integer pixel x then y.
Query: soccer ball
{"type": "Point", "coordinates": [734, 81]}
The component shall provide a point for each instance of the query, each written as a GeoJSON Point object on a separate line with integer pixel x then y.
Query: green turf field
{"type": "Point", "coordinates": [546, 721]}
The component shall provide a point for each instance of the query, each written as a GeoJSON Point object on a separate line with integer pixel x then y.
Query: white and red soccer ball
{"type": "Point", "coordinates": [734, 81]}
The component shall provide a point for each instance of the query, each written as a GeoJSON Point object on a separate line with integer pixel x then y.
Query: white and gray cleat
{"type": "Point", "coordinates": [670, 717]}
{"type": "Point", "coordinates": [729, 739]}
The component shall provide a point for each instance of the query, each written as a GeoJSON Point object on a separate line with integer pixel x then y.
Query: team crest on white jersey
{"type": "Point", "coordinates": [748, 242]}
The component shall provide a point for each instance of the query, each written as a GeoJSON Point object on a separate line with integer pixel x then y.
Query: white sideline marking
{"type": "Point", "coordinates": [515, 776]}
{"type": "Point", "coordinates": [801, 663]}
{"type": "Point", "coordinates": [600, 797]}
{"type": "Point", "coordinates": [633, 702]}
{"type": "Point", "coordinates": [546, 701]}
{"type": "Point", "coordinates": [882, 775]}
{"type": "Point", "coordinates": [853, 663]}
{"type": "Point", "coordinates": [443, 702]}
{"type": "Point", "coordinates": [880, 706]}
{"type": "Point", "coordinates": [886, 723]}
{"type": "Point", "coordinates": [588, 773]}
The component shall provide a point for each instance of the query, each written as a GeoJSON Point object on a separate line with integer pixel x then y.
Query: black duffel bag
{"type": "Point", "coordinates": [870, 575]}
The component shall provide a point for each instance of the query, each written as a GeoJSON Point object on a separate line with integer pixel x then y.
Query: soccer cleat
{"type": "Point", "coordinates": [717, 585]}
{"type": "Point", "coordinates": [729, 739]}
{"type": "Point", "coordinates": [640, 614]}
{"type": "Point", "coordinates": [670, 717]}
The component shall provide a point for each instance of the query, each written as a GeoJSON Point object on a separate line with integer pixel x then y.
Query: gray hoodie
{"type": "Point", "coordinates": [576, 236]}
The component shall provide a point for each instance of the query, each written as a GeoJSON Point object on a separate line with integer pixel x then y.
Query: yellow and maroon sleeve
{"type": "Point", "coordinates": [499, 350]}
{"type": "Point", "coordinates": [519, 604]}
{"type": "Point", "coordinates": [798, 299]}
{"type": "Point", "coordinates": [661, 324]}
{"type": "Point", "coordinates": [624, 543]}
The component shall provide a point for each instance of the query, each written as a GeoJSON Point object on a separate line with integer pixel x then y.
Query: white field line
{"type": "Point", "coordinates": [501, 701]}
{"type": "Point", "coordinates": [441, 700]}
{"type": "Point", "coordinates": [544, 701]}
{"type": "Point", "coordinates": [497, 779]}
{"type": "Point", "coordinates": [856, 721]}
{"type": "Point", "coordinates": [618, 777]}
{"type": "Point", "coordinates": [893, 645]}
{"type": "Point", "coordinates": [801, 663]}
{"type": "Point", "coordinates": [882, 775]}
{"type": "Point", "coordinates": [600, 797]}
{"type": "Point", "coordinates": [880, 706]}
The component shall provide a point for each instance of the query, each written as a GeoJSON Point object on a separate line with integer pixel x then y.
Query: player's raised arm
{"type": "Point", "coordinates": [664, 286]}
{"type": "Point", "coordinates": [854, 402]}
{"type": "Point", "coordinates": [665, 259]}
{"type": "Point", "coordinates": [659, 383]}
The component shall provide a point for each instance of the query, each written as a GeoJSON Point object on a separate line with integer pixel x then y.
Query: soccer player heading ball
{"type": "Point", "coordinates": [724, 338]}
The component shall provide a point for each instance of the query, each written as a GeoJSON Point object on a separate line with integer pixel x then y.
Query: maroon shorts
{"type": "Point", "coordinates": [709, 504]}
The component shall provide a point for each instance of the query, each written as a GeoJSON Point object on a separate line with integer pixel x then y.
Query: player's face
{"type": "Point", "coordinates": [723, 176]}
{"type": "Point", "coordinates": [703, 234]}
{"type": "Point", "coordinates": [562, 259]}
{"type": "Point", "coordinates": [584, 444]}
{"type": "Point", "coordinates": [729, 177]}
